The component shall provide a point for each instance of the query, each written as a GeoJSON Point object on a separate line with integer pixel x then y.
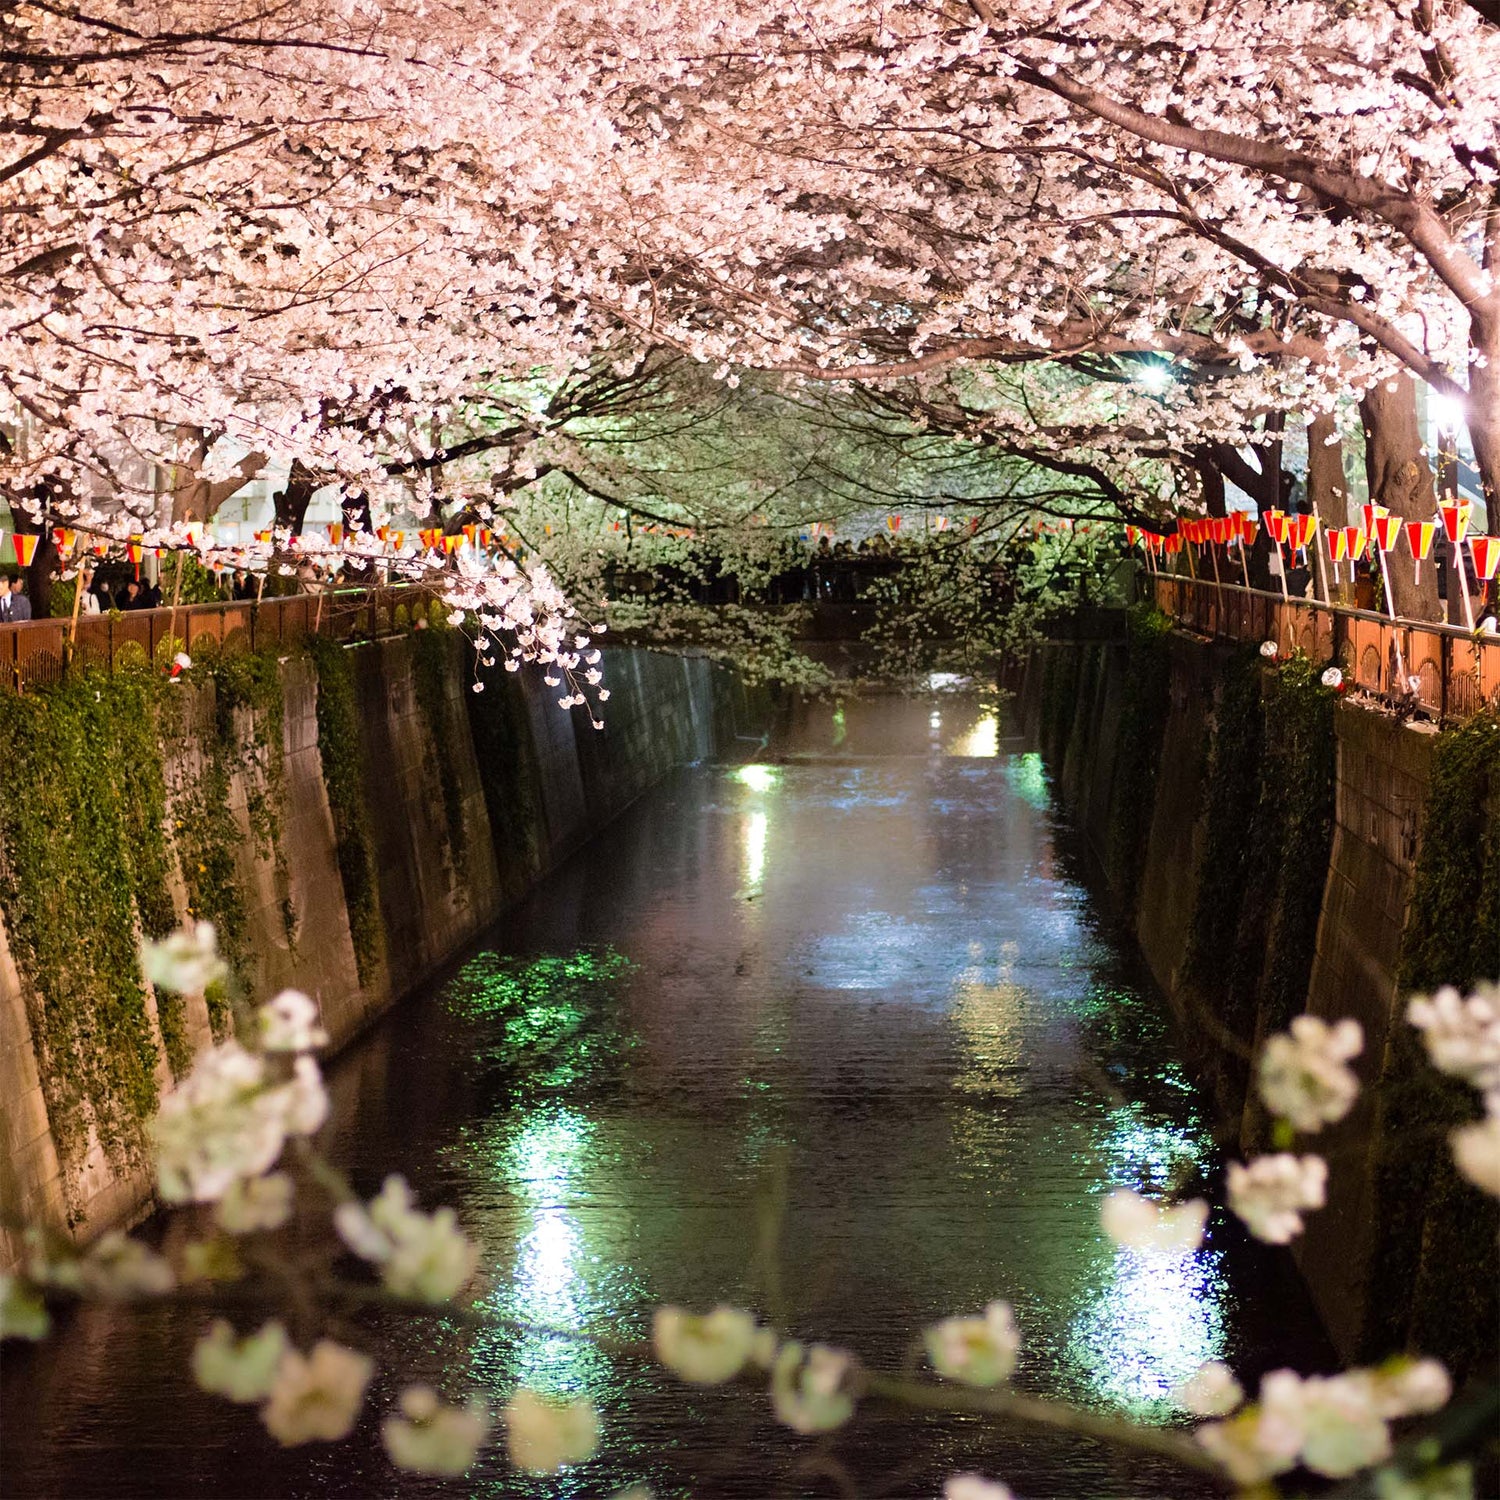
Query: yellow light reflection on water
{"type": "Point", "coordinates": [757, 778]}
{"type": "Point", "coordinates": [756, 828]}
{"type": "Point", "coordinates": [981, 739]}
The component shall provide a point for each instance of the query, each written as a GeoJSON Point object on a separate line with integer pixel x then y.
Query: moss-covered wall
{"type": "Point", "coordinates": [347, 817]}
{"type": "Point", "coordinates": [1278, 850]}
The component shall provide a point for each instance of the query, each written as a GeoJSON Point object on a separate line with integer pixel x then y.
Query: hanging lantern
{"type": "Point", "coordinates": [1456, 520]}
{"type": "Point", "coordinates": [1387, 531]}
{"type": "Point", "coordinates": [25, 548]}
{"type": "Point", "coordinates": [1485, 550]}
{"type": "Point", "coordinates": [336, 533]}
{"type": "Point", "coordinates": [134, 551]}
{"type": "Point", "coordinates": [1248, 530]}
{"type": "Point", "coordinates": [1370, 514]}
{"type": "Point", "coordinates": [893, 524]}
{"type": "Point", "coordinates": [451, 543]}
{"type": "Point", "coordinates": [1420, 536]}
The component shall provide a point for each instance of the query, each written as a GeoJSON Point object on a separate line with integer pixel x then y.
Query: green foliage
{"type": "Point", "coordinates": [1453, 929]}
{"type": "Point", "coordinates": [509, 777]}
{"type": "Point", "coordinates": [1437, 1265]}
{"type": "Point", "coordinates": [1143, 720]}
{"type": "Point", "coordinates": [82, 822]}
{"type": "Point", "coordinates": [432, 660]}
{"type": "Point", "coordinates": [242, 737]}
{"type": "Point", "coordinates": [1231, 792]}
{"type": "Point", "coordinates": [1297, 778]}
{"type": "Point", "coordinates": [344, 778]}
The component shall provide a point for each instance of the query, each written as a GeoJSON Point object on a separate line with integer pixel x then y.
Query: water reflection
{"type": "Point", "coordinates": [838, 1038]}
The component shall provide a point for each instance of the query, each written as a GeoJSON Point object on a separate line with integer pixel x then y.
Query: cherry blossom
{"type": "Point", "coordinates": [1273, 1192]}
{"type": "Point", "coordinates": [1144, 1224]}
{"type": "Point", "coordinates": [1303, 1074]}
{"type": "Point", "coordinates": [705, 1349]}
{"type": "Point", "coordinates": [978, 1351]}
{"type": "Point", "coordinates": [317, 1397]}
{"type": "Point", "coordinates": [545, 1435]}
{"type": "Point", "coordinates": [431, 1438]}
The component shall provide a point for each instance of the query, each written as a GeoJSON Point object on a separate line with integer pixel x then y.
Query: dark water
{"type": "Point", "coordinates": [840, 1038]}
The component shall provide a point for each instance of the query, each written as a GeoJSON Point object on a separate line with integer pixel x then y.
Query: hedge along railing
{"type": "Point", "coordinates": [1457, 673]}
{"type": "Point", "coordinates": [37, 652]}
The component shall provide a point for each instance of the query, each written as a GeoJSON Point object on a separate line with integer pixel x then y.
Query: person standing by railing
{"type": "Point", "coordinates": [15, 606]}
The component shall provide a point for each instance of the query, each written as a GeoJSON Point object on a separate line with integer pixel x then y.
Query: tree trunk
{"type": "Point", "coordinates": [195, 498]}
{"type": "Point", "coordinates": [1401, 480]}
{"type": "Point", "coordinates": [1327, 492]}
{"type": "Point", "coordinates": [292, 502]}
{"type": "Point", "coordinates": [1484, 425]}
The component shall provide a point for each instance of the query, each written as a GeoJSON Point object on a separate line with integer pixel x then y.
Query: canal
{"type": "Point", "coordinates": [839, 1034]}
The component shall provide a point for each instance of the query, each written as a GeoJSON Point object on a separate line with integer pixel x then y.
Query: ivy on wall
{"type": "Point", "coordinates": [344, 779]}
{"type": "Point", "coordinates": [1438, 1266]}
{"type": "Point", "coordinates": [432, 659]}
{"type": "Point", "coordinates": [509, 778]}
{"type": "Point", "coordinates": [83, 868]}
{"type": "Point", "coordinates": [1143, 718]}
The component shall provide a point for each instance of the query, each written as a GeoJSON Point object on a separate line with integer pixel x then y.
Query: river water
{"type": "Point", "coordinates": [839, 1034]}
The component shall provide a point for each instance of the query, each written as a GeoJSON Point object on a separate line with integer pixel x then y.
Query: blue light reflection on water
{"type": "Point", "coordinates": [860, 1011]}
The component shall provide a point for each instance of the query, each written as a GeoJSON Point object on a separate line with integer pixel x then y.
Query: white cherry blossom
{"type": "Point", "coordinates": [426, 1257]}
{"type": "Point", "coordinates": [317, 1397]}
{"type": "Point", "coordinates": [1273, 1192]}
{"type": "Point", "coordinates": [432, 1438]}
{"type": "Point", "coordinates": [241, 1369]}
{"type": "Point", "coordinates": [544, 1435]}
{"type": "Point", "coordinates": [977, 1350]}
{"type": "Point", "coordinates": [810, 1387]}
{"type": "Point", "coordinates": [704, 1349]}
{"type": "Point", "coordinates": [1141, 1223]}
{"type": "Point", "coordinates": [1210, 1391]}
{"type": "Point", "coordinates": [186, 961]}
{"type": "Point", "coordinates": [1303, 1075]}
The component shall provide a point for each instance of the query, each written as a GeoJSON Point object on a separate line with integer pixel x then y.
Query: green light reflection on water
{"type": "Point", "coordinates": [1026, 778]}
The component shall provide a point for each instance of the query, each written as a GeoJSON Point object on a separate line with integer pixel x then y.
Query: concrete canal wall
{"type": "Point", "coordinates": [350, 818]}
{"type": "Point", "coordinates": [1279, 850]}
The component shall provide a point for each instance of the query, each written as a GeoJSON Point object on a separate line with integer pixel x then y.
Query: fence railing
{"type": "Point", "coordinates": [36, 652]}
{"type": "Point", "coordinates": [1452, 673]}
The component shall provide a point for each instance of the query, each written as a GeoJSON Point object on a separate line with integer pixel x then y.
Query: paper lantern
{"type": "Point", "coordinates": [336, 533]}
{"type": "Point", "coordinates": [893, 524]}
{"type": "Point", "coordinates": [1303, 528]}
{"type": "Point", "coordinates": [25, 548]}
{"type": "Point", "coordinates": [1485, 550]}
{"type": "Point", "coordinates": [1370, 514]}
{"type": "Point", "coordinates": [451, 543]}
{"type": "Point", "coordinates": [1387, 532]}
{"type": "Point", "coordinates": [1456, 520]}
{"type": "Point", "coordinates": [1276, 522]}
{"type": "Point", "coordinates": [1248, 530]}
{"type": "Point", "coordinates": [1336, 539]}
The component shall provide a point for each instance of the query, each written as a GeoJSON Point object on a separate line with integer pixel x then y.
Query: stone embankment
{"type": "Point", "coordinates": [1279, 850]}
{"type": "Point", "coordinates": [350, 818]}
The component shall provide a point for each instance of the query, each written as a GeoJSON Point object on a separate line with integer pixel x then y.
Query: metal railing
{"type": "Point", "coordinates": [1453, 674]}
{"type": "Point", "coordinates": [37, 652]}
